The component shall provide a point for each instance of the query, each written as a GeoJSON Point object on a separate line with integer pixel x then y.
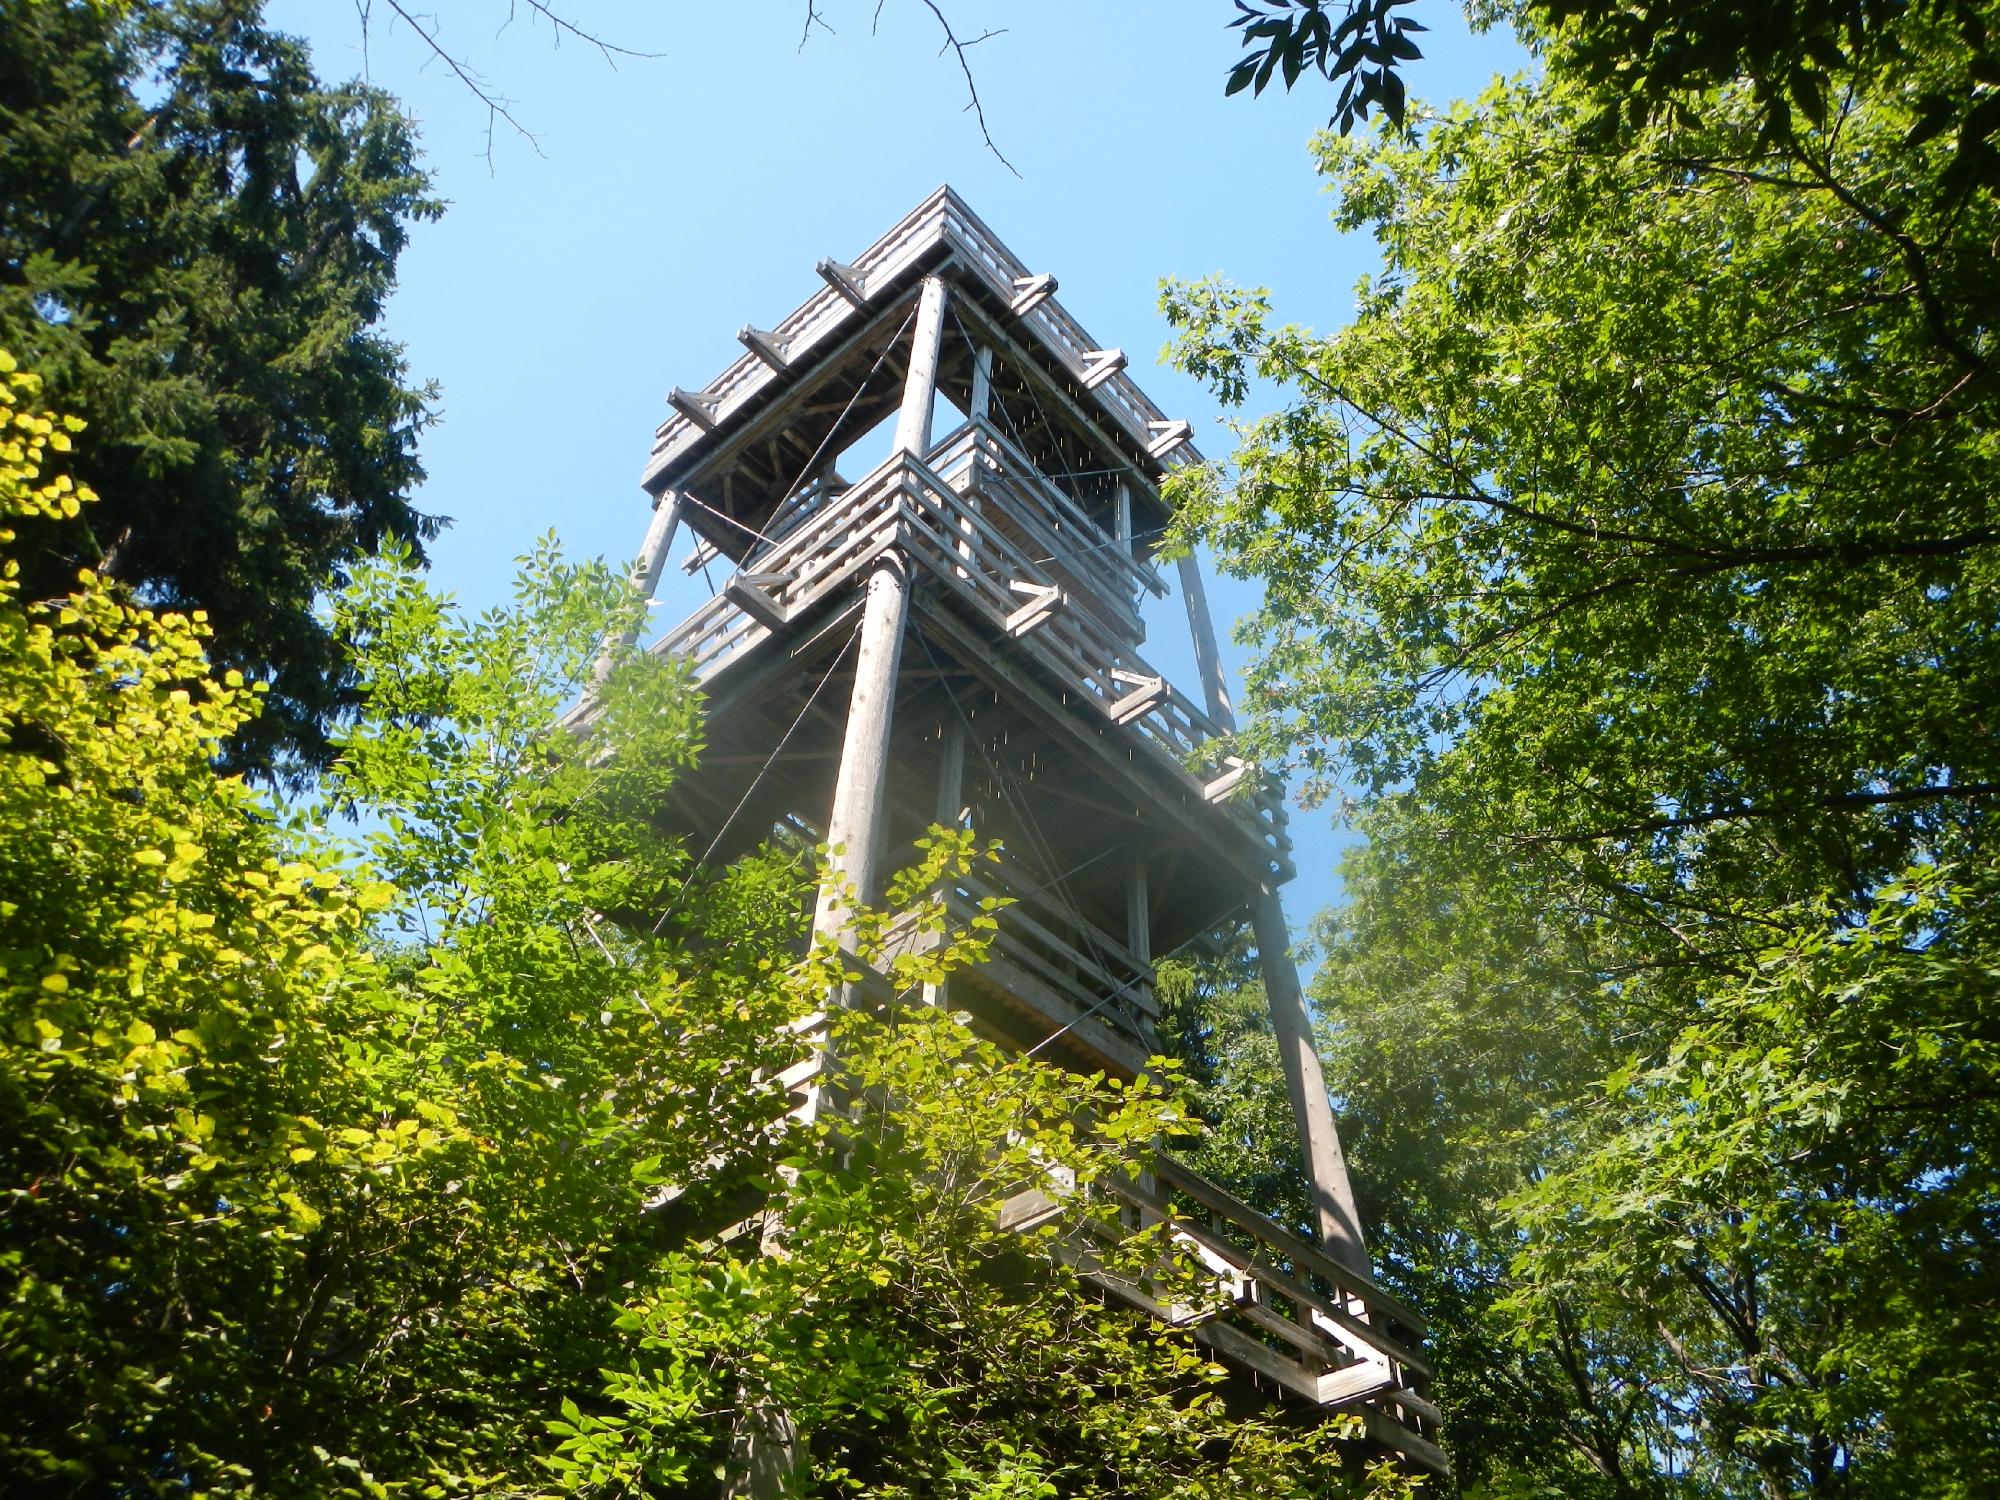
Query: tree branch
{"type": "Point", "coordinates": [497, 107]}
{"type": "Point", "coordinates": [958, 49]}
{"type": "Point", "coordinates": [1744, 812]}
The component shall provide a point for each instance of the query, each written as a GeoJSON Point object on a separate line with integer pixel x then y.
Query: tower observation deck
{"type": "Point", "coordinates": [954, 636]}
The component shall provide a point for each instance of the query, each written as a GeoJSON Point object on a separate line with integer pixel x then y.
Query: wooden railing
{"type": "Point", "coordinates": [1294, 1316]}
{"type": "Point", "coordinates": [1099, 566]}
{"type": "Point", "coordinates": [943, 217]}
{"type": "Point", "coordinates": [907, 505]}
{"type": "Point", "coordinates": [1279, 1309]}
{"type": "Point", "coordinates": [1102, 992]}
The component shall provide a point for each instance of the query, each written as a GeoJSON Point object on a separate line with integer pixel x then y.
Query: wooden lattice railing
{"type": "Point", "coordinates": [941, 219]}
{"type": "Point", "coordinates": [952, 532]}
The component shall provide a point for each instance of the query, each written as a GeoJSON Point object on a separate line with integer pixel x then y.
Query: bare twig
{"type": "Point", "coordinates": [565, 27]}
{"type": "Point", "coordinates": [497, 107]}
{"type": "Point", "coordinates": [813, 18]}
{"type": "Point", "coordinates": [958, 49]}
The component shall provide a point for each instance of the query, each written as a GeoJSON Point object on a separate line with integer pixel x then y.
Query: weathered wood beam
{"type": "Point", "coordinates": [854, 827]}
{"type": "Point", "coordinates": [1092, 427]}
{"type": "Point", "coordinates": [698, 407]}
{"type": "Point", "coordinates": [846, 280]}
{"type": "Point", "coordinates": [1030, 292]}
{"type": "Point", "coordinates": [1207, 655]}
{"type": "Point", "coordinates": [913, 421]}
{"type": "Point", "coordinates": [746, 592]}
{"type": "Point", "coordinates": [1099, 365]}
{"type": "Point", "coordinates": [1168, 436]}
{"type": "Point", "coordinates": [769, 347]}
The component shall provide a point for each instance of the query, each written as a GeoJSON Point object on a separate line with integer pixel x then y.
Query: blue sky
{"type": "Point", "coordinates": [668, 201]}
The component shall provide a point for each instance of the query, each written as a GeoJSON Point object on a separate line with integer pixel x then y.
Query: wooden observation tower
{"type": "Point", "coordinates": [954, 635]}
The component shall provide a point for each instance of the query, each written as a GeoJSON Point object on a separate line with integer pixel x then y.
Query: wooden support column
{"type": "Point", "coordinates": [854, 827]}
{"type": "Point", "coordinates": [979, 405]}
{"type": "Point", "coordinates": [1138, 910]}
{"type": "Point", "coordinates": [763, 1455]}
{"type": "Point", "coordinates": [645, 581]}
{"type": "Point", "coordinates": [950, 800]}
{"type": "Point", "coordinates": [1291, 1023]}
{"type": "Point", "coordinates": [1326, 1165]}
{"type": "Point", "coordinates": [1207, 658]}
{"type": "Point", "coordinates": [913, 423]}
{"type": "Point", "coordinates": [951, 772]}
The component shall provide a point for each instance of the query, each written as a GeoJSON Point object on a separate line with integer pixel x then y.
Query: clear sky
{"type": "Point", "coordinates": [668, 201]}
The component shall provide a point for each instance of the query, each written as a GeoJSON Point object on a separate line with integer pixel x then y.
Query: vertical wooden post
{"type": "Point", "coordinates": [951, 772]}
{"type": "Point", "coordinates": [979, 406]}
{"type": "Point", "coordinates": [1138, 910]}
{"type": "Point", "coordinates": [1291, 1024]}
{"type": "Point", "coordinates": [645, 581]}
{"type": "Point", "coordinates": [1121, 520]}
{"type": "Point", "coordinates": [763, 1455]}
{"type": "Point", "coordinates": [854, 827]}
{"type": "Point", "coordinates": [950, 803]}
{"type": "Point", "coordinates": [913, 422]}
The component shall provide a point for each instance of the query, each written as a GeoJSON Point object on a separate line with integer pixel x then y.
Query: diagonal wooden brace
{"type": "Point", "coordinates": [1044, 599]}
{"type": "Point", "coordinates": [771, 348]}
{"type": "Point", "coordinates": [1234, 770]}
{"type": "Point", "coordinates": [1099, 365]}
{"type": "Point", "coordinates": [845, 280]}
{"type": "Point", "coordinates": [1146, 695]}
{"type": "Point", "coordinates": [1168, 436]}
{"type": "Point", "coordinates": [746, 592]}
{"type": "Point", "coordinates": [1030, 292]}
{"type": "Point", "coordinates": [698, 407]}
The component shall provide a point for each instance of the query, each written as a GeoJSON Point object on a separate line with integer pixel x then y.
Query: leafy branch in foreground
{"type": "Point", "coordinates": [421, 1163]}
{"type": "Point", "coordinates": [1632, 566]}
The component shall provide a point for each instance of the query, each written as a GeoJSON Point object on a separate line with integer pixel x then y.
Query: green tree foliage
{"type": "Point", "coordinates": [1652, 59]}
{"type": "Point", "coordinates": [1632, 563]}
{"type": "Point", "coordinates": [1216, 1022]}
{"type": "Point", "coordinates": [197, 237]}
{"type": "Point", "coordinates": [456, 1156]}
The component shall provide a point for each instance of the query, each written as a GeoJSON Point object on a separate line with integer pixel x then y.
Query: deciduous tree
{"type": "Point", "coordinates": [1632, 566]}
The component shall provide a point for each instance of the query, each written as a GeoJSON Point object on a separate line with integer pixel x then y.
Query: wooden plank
{"type": "Point", "coordinates": [1226, 1203]}
{"type": "Point", "coordinates": [1239, 1347]}
{"type": "Point", "coordinates": [1275, 1278]}
{"type": "Point", "coordinates": [846, 280]}
{"type": "Point", "coordinates": [1416, 1405]}
{"type": "Point", "coordinates": [913, 422]}
{"type": "Point", "coordinates": [697, 406]}
{"type": "Point", "coordinates": [754, 602]}
{"type": "Point", "coordinates": [769, 347]}
{"type": "Point", "coordinates": [1386, 1430]}
{"type": "Point", "coordinates": [1024, 1211]}
{"type": "Point", "coordinates": [1046, 1005]}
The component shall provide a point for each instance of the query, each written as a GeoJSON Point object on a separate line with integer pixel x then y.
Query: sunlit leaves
{"type": "Point", "coordinates": [1631, 571]}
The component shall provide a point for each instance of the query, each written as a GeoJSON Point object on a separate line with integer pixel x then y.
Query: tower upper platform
{"type": "Point", "coordinates": [763, 430]}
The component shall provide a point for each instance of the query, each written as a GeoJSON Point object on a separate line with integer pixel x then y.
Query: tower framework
{"type": "Point", "coordinates": [955, 636]}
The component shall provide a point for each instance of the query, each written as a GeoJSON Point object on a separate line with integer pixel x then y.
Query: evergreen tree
{"type": "Point", "coordinates": [197, 237]}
